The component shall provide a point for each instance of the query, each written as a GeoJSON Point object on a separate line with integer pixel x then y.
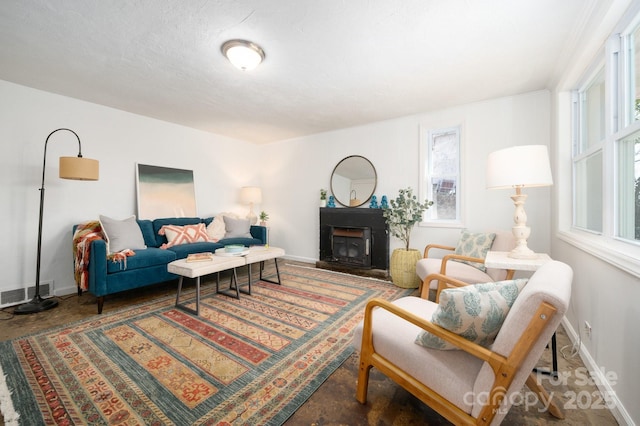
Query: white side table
{"type": "Point", "coordinates": [501, 260]}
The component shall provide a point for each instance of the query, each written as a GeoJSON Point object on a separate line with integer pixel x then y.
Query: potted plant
{"type": "Point", "coordinates": [323, 198]}
{"type": "Point", "coordinates": [401, 216]}
{"type": "Point", "coordinates": [264, 217]}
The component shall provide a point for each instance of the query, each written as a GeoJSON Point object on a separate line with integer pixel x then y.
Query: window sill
{"type": "Point", "coordinates": [441, 224]}
{"type": "Point", "coordinates": [621, 254]}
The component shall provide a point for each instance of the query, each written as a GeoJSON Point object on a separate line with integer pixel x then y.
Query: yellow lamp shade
{"type": "Point", "coordinates": [79, 168]}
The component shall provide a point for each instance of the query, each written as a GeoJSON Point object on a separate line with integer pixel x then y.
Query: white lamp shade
{"type": "Point", "coordinates": [519, 166]}
{"type": "Point", "coordinates": [79, 168]}
{"type": "Point", "coordinates": [250, 195]}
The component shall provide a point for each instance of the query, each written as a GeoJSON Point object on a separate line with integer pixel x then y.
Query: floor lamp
{"type": "Point", "coordinates": [75, 168]}
{"type": "Point", "coordinates": [519, 167]}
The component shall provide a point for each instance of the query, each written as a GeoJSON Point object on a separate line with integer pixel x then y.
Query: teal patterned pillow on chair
{"type": "Point", "coordinates": [475, 312]}
{"type": "Point", "coordinates": [474, 245]}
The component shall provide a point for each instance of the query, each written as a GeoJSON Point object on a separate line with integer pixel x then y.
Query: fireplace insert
{"type": "Point", "coordinates": [351, 246]}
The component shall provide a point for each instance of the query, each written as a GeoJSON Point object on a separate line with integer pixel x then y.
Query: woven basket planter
{"type": "Point", "coordinates": [403, 268]}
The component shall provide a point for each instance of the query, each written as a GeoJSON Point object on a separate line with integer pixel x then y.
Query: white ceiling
{"type": "Point", "coordinates": [329, 64]}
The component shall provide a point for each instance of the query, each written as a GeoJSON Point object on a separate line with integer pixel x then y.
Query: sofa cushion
{"type": "Point", "coordinates": [475, 312]}
{"type": "Point", "coordinates": [474, 245]}
{"type": "Point", "coordinates": [122, 234]}
{"type": "Point", "coordinates": [248, 242]}
{"type": "Point", "coordinates": [237, 228]}
{"type": "Point", "coordinates": [177, 235]}
{"type": "Point", "coordinates": [181, 251]}
{"type": "Point", "coordinates": [151, 256]}
{"type": "Point", "coordinates": [146, 226]}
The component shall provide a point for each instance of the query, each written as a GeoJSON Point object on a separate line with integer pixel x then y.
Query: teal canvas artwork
{"type": "Point", "coordinates": [165, 192]}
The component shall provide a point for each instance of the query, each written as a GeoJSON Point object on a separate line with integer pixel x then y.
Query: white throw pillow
{"type": "Point", "coordinates": [216, 229]}
{"type": "Point", "coordinates": [122, 234]}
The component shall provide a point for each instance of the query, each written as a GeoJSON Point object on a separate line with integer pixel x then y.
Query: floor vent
{"type": "Point", "coordinates": [16, 296]}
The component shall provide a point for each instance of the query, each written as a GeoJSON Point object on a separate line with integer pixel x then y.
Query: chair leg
{"type": "Point", "coordinates": [363, 381]}
{"type": "Point", "coordinates": [543, 395]}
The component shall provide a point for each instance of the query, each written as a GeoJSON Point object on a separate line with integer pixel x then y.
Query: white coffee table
{"type": "Point", "coordinates": [198, 269]}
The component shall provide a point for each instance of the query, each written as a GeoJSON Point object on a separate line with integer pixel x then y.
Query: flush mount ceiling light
{"type": "Point", "coordinates": [243, 54]}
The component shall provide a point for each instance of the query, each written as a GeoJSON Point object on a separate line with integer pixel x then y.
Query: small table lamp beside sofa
{"type": "Point", "coordinates": [116, 255]}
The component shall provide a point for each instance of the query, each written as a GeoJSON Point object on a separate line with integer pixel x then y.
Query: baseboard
{"type": "Point", "coordinates": [300, 259]}
{"type": "Point", "coordinates": [619, 412]}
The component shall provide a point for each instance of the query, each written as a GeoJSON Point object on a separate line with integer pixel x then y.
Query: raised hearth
{"type": "Point", "coordinates": [354, 240]}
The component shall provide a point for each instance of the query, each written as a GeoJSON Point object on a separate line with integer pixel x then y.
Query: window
{"type": "Point", "coordinates": [587, 156]}
{"type": "Point", "coordinates": [628, 163]}
{"type": "Point", "coordinates": [588, 192]}
{"type": "Point", "coordinates": [440, 171]}
{"type": "Point", "coordinates": [606, 143]}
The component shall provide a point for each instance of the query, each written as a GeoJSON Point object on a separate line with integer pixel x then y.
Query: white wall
{"type": "Point", "coordinates": [290, 172]}
{"type": "Point", "coordinates": [296, 170]}
{"type": "Point", "coordinates": [118, 140]}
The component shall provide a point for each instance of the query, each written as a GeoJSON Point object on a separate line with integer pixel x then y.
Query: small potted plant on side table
{"type": "Point", "coordinates": [401, 215]}
{"type": "Point", "coordinates": [264, 217]}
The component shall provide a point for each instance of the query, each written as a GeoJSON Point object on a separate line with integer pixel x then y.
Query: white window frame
{"type": "Point", "coordinates": [427, 137]}
{"type": "Point", "coordinates": [619, 124]}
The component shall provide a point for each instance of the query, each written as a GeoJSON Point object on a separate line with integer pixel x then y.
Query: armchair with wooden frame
{"type": "Point", "coordinates": [450, 264]}
{"type": "Point", "coordinates": [474, 385]}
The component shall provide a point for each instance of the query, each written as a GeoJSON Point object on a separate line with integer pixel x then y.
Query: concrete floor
{"type": "Point", "coordinates": [334, 402]}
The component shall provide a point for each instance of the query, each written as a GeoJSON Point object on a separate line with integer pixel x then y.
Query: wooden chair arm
{"type": "Point", "coordinates": [436, 246]}
{"type": "Point", "coordinates": [458, 257]}
{"type": "Point", "coordinates": [449, 257]}
{"type": "Point", "coordinates": [444, 282]}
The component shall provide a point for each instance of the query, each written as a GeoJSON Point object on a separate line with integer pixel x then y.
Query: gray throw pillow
{"type": "Point", "coordinates": [122, 234]}
{"type": "Point", "coordinates": [237, 228]}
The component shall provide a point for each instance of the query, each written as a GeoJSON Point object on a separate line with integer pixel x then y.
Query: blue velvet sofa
{"type": "Point", "coordinates": [149, 266]}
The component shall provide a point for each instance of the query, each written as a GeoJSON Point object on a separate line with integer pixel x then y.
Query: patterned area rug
{"type": "Point", "coordinates": [249, 361]}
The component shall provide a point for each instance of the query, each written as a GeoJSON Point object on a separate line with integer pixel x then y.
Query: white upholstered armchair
{"type": "Point", "coordinates": [473, 384]}
{"type": "Point", "coordinates": [450, 261]}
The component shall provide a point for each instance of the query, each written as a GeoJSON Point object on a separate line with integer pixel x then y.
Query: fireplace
{"type": "Point", "coordinates": [351, 245]}
{"type": "Point", "coordinates": [354, 240]}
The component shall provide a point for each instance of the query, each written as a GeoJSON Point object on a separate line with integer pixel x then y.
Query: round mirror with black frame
{"type": "Point", "coordinates": [353, 181]}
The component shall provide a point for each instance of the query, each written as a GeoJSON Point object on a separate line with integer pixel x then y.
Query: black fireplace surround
{"type": "Point", "coordinates": [354, 238]}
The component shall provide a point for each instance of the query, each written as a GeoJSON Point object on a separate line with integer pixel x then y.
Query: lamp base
{"type": "Point", "coordinates": [253, 219]}
{"type": "Point", "coordinates": [522, 251]}
{"type": "Point", "coordinates": [37, 304]}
